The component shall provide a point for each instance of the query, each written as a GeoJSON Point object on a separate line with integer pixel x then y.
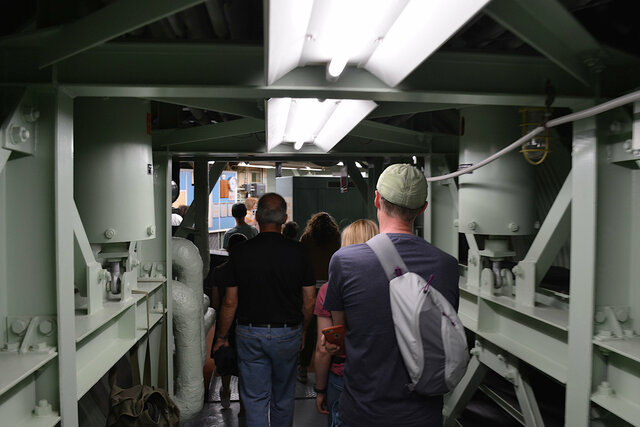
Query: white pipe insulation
{"type": "Point", "coordinates": [188, 325]}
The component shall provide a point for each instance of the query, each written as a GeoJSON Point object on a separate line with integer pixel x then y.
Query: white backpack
{"type": "Point", "coordinates": [429, 333]}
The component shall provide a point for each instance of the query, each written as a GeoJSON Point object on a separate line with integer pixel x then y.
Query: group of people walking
{"type": "Point", "coordinates": [269, 296]}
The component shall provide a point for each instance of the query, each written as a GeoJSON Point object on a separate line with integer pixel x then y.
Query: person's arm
{"type": "Point", "coordinates": [215, 298]}
{"type": "Point", "coordinates": [227, 315]}
{"type": "Point", "coordinates": [308, 302]}
{"type": "Point", "coordinates": [322, 363]}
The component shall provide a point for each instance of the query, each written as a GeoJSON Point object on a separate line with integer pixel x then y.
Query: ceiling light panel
{"type": "Point", "coordinates": [309, 120]}
{"type": "Point", "coordinates": [389, 38]}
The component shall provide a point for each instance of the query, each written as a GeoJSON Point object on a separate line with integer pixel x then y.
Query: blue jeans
{"type": "Point", "coordinates": [334, 390]}
{"type": "Point", "coordinates": [267, 359]}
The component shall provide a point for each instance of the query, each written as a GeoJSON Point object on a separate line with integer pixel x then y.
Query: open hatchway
{"type": "Point", "coordinates": [547, 236]}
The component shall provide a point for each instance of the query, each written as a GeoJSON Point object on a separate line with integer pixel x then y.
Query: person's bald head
{"type": "Point", "coordinates": [272, 209]}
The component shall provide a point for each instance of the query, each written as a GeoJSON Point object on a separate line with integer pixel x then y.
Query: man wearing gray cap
{"type": "Point", "coordinates": [376, 392]}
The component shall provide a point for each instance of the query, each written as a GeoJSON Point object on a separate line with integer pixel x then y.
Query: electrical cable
{"type": "Point", "coordinates": [589, 112]}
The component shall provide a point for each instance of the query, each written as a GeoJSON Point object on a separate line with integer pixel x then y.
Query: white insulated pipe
{"type": "Point", "coordinates": [188, 325]}
{"type": "Point", "coordinates": [589, 112]}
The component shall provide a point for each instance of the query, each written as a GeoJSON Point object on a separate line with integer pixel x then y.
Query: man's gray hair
{"type": "Point", "coordinates": [272, 209]}
{"type": "Point", "coordinates": [400, 212]}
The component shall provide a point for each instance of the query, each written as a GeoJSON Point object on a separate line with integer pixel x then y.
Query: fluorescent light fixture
{"type": "Point", "coordinates": [389, 38]}
{"type": "Point", "coordinates": [308, 120]}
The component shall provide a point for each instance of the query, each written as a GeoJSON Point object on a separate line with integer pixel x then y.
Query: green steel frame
{"type": "Point", "coordinates": [587, 341]}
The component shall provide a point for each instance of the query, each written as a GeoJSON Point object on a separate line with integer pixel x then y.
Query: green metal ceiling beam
{"type": "Point", "coordinates": [389, 109]}
{"type": "Point", "coordinates": [391, 95]}
{"type": "Point", "coordinates": [226, 67]}
{"type": "Point", "coordinates": [549, 28]}
{"type": "Point", "coordinates": [107, 23]}
{"type": "Point", "coordinates": [208, 133]}
{"type": "Point", "coordinates": [202, 138]}
{"type": "Point", "coordinates": [391, 134]}
{"type": "Point", "coordinates": [247, 108]}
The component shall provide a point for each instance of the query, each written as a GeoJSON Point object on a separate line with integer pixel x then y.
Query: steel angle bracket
{"type": "Point", "coordinates": [19, 129]}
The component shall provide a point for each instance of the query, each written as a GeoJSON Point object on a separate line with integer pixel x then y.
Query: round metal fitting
{"type": "Point", "coordinates": [456, 222]}
{"type": "Point", "coordinates": [18, 326]}
{"type": "Point", "coordinates": [621, 314]}
{"type": "Point", "coordinates": [110, 233]}
{"type": "Point", "coordinates": [19, 134]}
{"type": "Point", "coordinates": [472, 225]}
{"type": "Point", "coordinates": [30, 114]}
{"type": "Point", "coordinates": [600, 317]}
{"type": "Point", "coordinates": [513, 227]}
{"type": "Point", "coordinates": [627, 146]}
{"type": "Point", "coordinates": [45, 327]}
{"type": "Point", "coordinates": [151, 230]}
{"type": "Point", "coordinates": [517, 271]}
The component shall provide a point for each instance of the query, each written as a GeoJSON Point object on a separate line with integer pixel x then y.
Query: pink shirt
{"type": "Point", "coordinates": [336, 368]}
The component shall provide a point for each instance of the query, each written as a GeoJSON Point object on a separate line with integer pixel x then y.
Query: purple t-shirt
{"type": "Point", "coordinates": [376, 379]}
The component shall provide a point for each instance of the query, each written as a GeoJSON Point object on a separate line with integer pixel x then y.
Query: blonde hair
{"type": "Point", "coordinates": [250, 203]}
{"type": "Point", "coordinates": [359, 232]}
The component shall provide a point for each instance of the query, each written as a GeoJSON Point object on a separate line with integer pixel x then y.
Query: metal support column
{"type": "Point", "coordinates": [359, 181]}
{"type": "Point", "coordinates": [201, 203]}
{"type": "Point", "coordinates": [64, 258]}
{"type": "Point", "coordinates": [188, 220]}
{"type": "Point", "coordinates": [583, 262]}
{"type": "Point", "coordinates": [456, 401]}
{"type": "Point", "coordinates": [374, 174]}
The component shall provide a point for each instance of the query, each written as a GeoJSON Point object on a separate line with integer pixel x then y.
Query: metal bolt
{"type": "Point", "coordinates": [472, 225]}
{"type": "Point", "coordinates": [636, 153]}
{"type": "Point", "coordinates": [501, 358]}
{"type": "Point", "coordinates": [19, 134]}
{"type": "Point", "coordinates": [513, 227]}
{"type": "Point", "coordinates": [43, 408]}
{"type": "Point", "coordinates": [600, 317]}
{"type": "Point", "coordinates": [147, 266]}
{"type": "Point", "coordinates": [10, 346]}
{"type": "Point", "coordinates": [30, 114]}
{"type": "Point", "coordinates": [615, 126]}
{"type": "Point", "coordinates": [151, 230]}
{"type": "Point", "coordinates": [473, 260]}
{"type": "Point", "coordinates": [627, 145]}
{"type": "Point", "coordinates": [456, 222]}
{"type": "Point", "coordinates": [621, 314]}
{"type": "Point", "coordinates": [517, 270]}
{"type": "Point", "coordinates": [110, 233]}
{"type": "Point", "coordinates": [38, 347]}
{"type": "Point", "coordinates": [158, 307]}
{"type": "Point", "coordinates": [45, 327]}
{"type": "Point", "coordinates": [18, 326]}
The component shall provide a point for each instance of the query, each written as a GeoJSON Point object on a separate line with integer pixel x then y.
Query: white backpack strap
{"type": "Point", "coordinates": [388, 256]}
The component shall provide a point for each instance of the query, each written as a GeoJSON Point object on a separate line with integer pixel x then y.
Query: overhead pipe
{"type": "Point", "coordinates": [188, 324]}
{"type": "Point", "coordinates": [589, 112]}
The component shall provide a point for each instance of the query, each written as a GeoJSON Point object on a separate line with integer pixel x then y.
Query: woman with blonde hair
{"type": "Point", "coordinates": [329, 369]}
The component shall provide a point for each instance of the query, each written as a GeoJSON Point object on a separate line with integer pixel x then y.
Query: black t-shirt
{"type": "Point", "coordinates": [270, 272]}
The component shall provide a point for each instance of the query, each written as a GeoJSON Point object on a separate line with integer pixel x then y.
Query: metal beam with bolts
{"type": "Point", "coordinates": [549, 28]}
{"type": "Point", "coordinates": [107, 23]}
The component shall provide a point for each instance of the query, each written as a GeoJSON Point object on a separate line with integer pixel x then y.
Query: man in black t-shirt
{"type": "Point", "coordinates": [273, 291]}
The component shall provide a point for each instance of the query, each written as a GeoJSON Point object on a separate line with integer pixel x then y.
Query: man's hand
{"type": "Point", "coordinates": [220, 343]}
{"type": "Point", "coordinates": [321, 403]}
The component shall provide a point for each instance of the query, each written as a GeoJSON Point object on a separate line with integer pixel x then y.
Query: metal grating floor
{"type": "Point", "coordinates": [303, 391]}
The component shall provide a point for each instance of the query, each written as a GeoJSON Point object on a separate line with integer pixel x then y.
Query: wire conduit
{"type": "Point", "coordinates": [589, 112]}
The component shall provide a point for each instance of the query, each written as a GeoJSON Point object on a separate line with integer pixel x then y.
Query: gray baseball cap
{"type": "Point", "coordinates": [403, 185]}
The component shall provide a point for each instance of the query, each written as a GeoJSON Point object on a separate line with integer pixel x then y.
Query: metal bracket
{"type": "Point", "coordinates": [35, 334]}
{"type": "Point", "coordinates": [487, 356]}
{"type": "Point", "coordinates": [19, 130]}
